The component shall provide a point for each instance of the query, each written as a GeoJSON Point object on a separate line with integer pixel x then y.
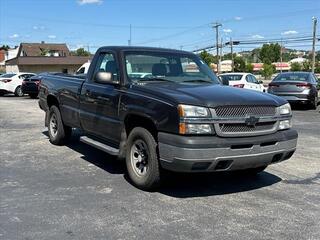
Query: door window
{"type": "Point", "coordinates": [107, 63]}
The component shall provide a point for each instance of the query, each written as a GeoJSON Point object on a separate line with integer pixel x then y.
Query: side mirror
{"type": "Point", "coordinates": [225, 82]}
{"type": "Point", "coordinates": [103, 77]}
{"type": "Point", "coordinates": [260, 81]}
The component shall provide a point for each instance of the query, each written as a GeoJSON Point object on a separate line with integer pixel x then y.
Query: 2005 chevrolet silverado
{"type": "Point", "coordinates": [165, 109]}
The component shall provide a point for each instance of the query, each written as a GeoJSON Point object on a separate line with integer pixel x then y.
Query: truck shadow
{"type": "Point", "coordinates": [179, 185]}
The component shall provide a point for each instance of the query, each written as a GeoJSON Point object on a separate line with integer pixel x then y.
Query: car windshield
{"type": "Point", "coordinates": [8, 75]}
{"type": "Point", "coordinates": [168, 67]}
{"type": "Point", "coordinates": [292, 77]}
{"type": "Point", "coordinates": [231, 77]}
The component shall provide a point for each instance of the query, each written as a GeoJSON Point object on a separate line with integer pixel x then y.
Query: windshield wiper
{"type": "Point", "coordinates": [198, 80]}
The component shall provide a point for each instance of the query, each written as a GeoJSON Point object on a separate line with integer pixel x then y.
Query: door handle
{"type": "Point", "coordinates": [87, 93]}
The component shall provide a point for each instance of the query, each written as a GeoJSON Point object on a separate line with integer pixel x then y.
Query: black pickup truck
{"type": "Point", "coordinates": [163, 109]}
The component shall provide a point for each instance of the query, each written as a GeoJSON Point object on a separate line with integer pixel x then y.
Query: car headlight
{"type": "Point", "coordinates": [187, 111]}
{"type": "Point", "coordinates": [285, 109]}
{"type": "Point", "coordinates": [192, 111]}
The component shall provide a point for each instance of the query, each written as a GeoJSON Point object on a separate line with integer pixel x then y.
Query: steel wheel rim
{"type": "Point", "coordinates": [139, 157]}
{"type": "Point", "coordinates": [53, 125]}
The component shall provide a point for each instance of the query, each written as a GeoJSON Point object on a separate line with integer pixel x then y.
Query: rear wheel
{"type": "Point", "coordinates": [18, 92]}
{"type": "Point", "coordinates": [33, 95]}
{"type": "Point", "coordinates": [2, 93]}
{"type": "Point", "coordinates": [59, 133]}
{"type": "Point", "coordinates": [142, 159]}
{"type": "Point", "coordinates": [314, 103]}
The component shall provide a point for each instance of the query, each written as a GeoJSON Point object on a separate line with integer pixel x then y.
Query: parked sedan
{"type": "Point", "coordinates": [31, 84]}
{"type": "Point", "coordinates": [243, 80]}
{"type": "Point", "coordinates": [11, 83]}
{"type": "Point", "coordinates": [296, 87]}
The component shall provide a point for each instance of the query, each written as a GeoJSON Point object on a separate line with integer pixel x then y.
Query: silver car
{"type": "Point", "coordinates": [296, 87]}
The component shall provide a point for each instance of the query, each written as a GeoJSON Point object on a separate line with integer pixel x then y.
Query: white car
{"type": "Point", "coordinates": [11, 83]}
{"type": "Point", "coordinates": [83, 69]}
{"type": "Point", "coordinates": [243, 80]}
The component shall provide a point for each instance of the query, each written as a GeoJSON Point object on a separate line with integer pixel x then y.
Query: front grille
{"type": "Point", "coordinates": [243, 128]}
{"type": "Point", "coordinates": [243, 111]}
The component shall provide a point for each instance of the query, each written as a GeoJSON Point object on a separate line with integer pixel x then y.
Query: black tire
{"type": "Point", "coordinates": [33, 95]}
{"type": "Point", "coordinates": [2, 94]}
{"type": "Point", "coordinates": [314, 103]}
{"type": "Point", "coordinates": [18, 92]}
{"type": "Point", "coordinates": [59, 133]}
{"type": "Point", "coordinates": [146, 173]}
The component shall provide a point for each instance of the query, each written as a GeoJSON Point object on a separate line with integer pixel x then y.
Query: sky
{"type": "Point", "coordinates": [180, 24]}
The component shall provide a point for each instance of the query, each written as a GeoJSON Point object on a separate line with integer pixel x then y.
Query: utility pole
{"type": "Point", "coordinates": [220, 57]}
{"type": "Point", "coordinates": [129, 41]}
{"type": "Point", "coordinates": [231, 46]}
{"type": "Point", "coordinates": [281, 56]}
{"type": "Point", "coordinates": [314, 43]}
{"type": "Point", "coordinates": [216, 26]}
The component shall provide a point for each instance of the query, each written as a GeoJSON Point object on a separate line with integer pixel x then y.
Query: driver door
{"type": "Point", "coordinates": [99, 101]}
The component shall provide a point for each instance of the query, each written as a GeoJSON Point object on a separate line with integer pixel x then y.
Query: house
{"type": "Point", "coordinates": [45, 57]}
{"type": "Point", "coordinates": [7, 55]}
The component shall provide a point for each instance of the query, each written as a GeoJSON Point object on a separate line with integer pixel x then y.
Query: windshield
{"type": "Point", "coordinates": [169, 67]}
{"type": "Point", "coordinates": [8, 75]}
{"type": "Point", "coordinates": [292, 77]}
{"type": "Point", "coordinates": [231, 77]}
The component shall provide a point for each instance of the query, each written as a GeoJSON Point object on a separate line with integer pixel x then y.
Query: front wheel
{"type": "Point", "coordinates": [18, 92]}
{"type": "Point", "coordinates": [142, 159]}
{"type": "Point", "coordinates": [59, 133]}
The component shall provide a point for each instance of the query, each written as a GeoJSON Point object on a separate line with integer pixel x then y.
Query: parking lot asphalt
{"type": "Point", "coordinates": [78, 192]}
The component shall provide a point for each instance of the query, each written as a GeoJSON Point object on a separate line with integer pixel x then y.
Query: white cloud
{"type": "Point", "coordinates": [257, 36]}
{"type": "Point", "coordinates": [227, 30]}
{"type": "Point", "coordinates": [289, 32]}
{"type": "Point", "coordinates": [38, 27]}
{"type": "Point", "coordinates": [14, 35]}
{"type": "Point", "coordinates": [83, 2]}
{"type": "Point", "coordinates": [52, 36]}
{"type": "Point", "coordinates": [238, 18]}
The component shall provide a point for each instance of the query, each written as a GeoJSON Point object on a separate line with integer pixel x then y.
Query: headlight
{"type": "Point", "coordinates": [285, 109]}
{"type": "Point", "coordinates": [192, 111]}
{"type": "Point", "coordinates": [285, 124]}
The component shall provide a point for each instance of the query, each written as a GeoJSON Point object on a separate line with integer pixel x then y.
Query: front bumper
{"type": "Point", "coordinates": [212, 153]}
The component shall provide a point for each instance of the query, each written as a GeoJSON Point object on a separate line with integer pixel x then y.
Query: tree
{"type": "Point", "coordinates": [239, 64]}
{"type": "Point", "coordinates": [268, 70]}
{"type": "Point", "coordinates": [270, 53]}
{"type": "Point", "coordinates": [306, 66]}
{"type": "Point", "coordinates": [5, 47]}
{"type": "Point", "coordinates": [80, 52]}
{"type": "Point", "coordinates": [295, 67]}
{"type": "Point", "coordinates": [317, 68]}
{"type": "Point", "coordinates": [249, 68]}
{"type": "Point", "coordinates": [207, 57]}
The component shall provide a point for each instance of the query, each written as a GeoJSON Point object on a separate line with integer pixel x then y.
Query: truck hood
{"type": "Point", "coordinates": [210, 95]}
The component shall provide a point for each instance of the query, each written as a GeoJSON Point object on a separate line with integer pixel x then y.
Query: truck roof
{"type": "Point", "coordinates": [140, 48]}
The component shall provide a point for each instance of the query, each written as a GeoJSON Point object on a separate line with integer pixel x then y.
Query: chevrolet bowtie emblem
{"type": "Point", "coordinates": [252, 121]}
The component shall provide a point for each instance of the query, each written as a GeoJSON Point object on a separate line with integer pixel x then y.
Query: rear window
{"type": "Point", "coordinates": [293, 77]}
{"type": "Point", "coordinates": [235, 77]}
{"type": "Point", "coordinates": [8, 75]}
